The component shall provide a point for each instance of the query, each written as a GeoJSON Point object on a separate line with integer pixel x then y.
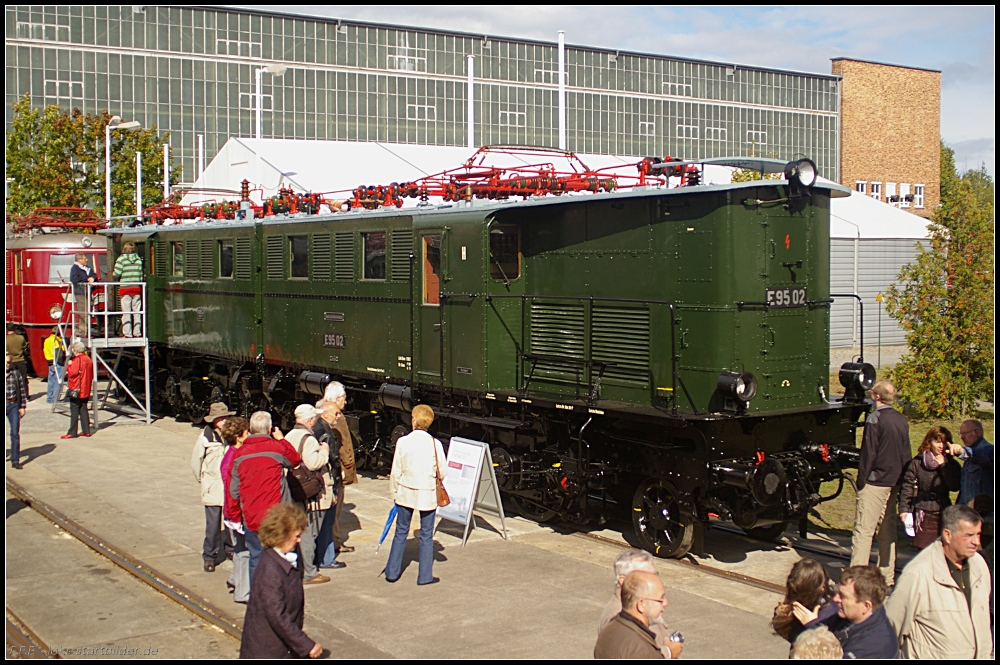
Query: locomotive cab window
{"type": "Point", "coordinates": [299, 251]}
{"type": "Point", "coordinates": [226, 258]}
{"type": "Point", "coordinates": [505, 252]}
{"type": "Point", "coordinates": [432, 270]}
{"type": "Point", "coordinates": [374, 243]}
{"type": "Point", "coordinates": [59, 267]}
{"type": "Point", "coordinates": [178, 259]}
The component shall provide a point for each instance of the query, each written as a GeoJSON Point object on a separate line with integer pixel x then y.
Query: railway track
{"type": "Point", "coordinates": [720, 572]}
{"type": "Point", "coordinates": [703, 568]}
{"type": "Point", "coordinates": [22, 642]}
{"type": "Point", "coordinates": [821, 551]}
{"type": "Point", "coordinates": [141, 571]}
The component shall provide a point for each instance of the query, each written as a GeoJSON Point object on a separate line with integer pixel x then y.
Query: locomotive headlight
{"type": "Point", "coordinates": [741, 386]}
{"type": "Point", "coordinates": [55, 312]}
{"type": "Point", "coordinates": [87, 242]}
{"type": "Point", "coordinates": [856, 379]}
{"type": "Point", "coordinates": [801, 172]}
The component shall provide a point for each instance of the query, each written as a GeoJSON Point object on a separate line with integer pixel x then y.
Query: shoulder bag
{"type": "Point", "coordinates": [442, 494]}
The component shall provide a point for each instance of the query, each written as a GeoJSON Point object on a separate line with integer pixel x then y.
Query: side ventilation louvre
{"type": "Point", "coordinates": [208, 259]}
{"type": "Point", "coordinates": [242, 269]}
{"type": "Point", "coordinates": [344, 250]}
{"type": "Point", "coordinates": [275, 257]}
{"type": "Point", "coordinates": [192, 258]}
{"type": "Point", "coordinates": [161, 256]}
{"type": "Point", "coordinates": [620, 335]}
{"type": "Point", "coordinates": [558, 329]}
{"type": "Point", "coordinates": [402, 245]}
{"type": "Point", "coordinates": [321, 257]}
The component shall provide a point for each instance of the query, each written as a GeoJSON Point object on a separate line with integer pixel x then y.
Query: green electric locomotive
{"type": "Point", "coordinates": [662, 348]}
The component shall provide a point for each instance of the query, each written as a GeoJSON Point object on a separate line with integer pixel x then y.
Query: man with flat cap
{"type": "Point", "coordinates": [206, 463]}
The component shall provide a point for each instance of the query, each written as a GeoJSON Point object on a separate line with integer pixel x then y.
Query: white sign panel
{"type": "Point", "coordinates": [471, 484]}
{"type": "Point", "coordinates": [461, 480]}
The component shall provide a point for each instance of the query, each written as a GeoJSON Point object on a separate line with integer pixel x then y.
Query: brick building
{"type": "Point", "coordinates": [890, 133]}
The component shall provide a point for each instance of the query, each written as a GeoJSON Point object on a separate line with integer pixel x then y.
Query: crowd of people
{"type": "Point", "coordinates": [939, 607]}
{"type": "Point", "coordinates": [273, 503]}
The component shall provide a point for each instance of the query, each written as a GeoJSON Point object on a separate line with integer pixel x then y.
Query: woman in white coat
{"type": "Point", "coordinates": [419, 459]}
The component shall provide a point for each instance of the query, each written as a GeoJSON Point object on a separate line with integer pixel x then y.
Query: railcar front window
{"type": "Point", "coordinates": [299, 246]}
{"type": "Point", "coordinates": [432, 270]}
{"type": "Point", "coordinates": [374, 243]}
{"type": "Point", "coordinates": [505, 252]}
{"type": "Point", "coordinates": [226, 258]}
{"type": "Point", "coordinates": [178, 259]}
{"type": "Point", "coordinates": [59, 267]}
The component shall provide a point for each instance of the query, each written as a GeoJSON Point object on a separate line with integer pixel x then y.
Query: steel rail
{"type": "Point", "coordinates": [812, 549]}
{"type": "Point", "coordinates": [141, 571]}
{"type": "Point", "coordinates": [709, 570]}
{"type": "Point", "coordinates": [22, 642]}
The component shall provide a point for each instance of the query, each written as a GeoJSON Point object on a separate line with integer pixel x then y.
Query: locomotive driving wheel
{"type": "Point", "coordinates": [660, 524]}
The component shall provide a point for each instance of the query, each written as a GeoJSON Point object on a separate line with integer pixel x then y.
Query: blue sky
{"type": "Point", "coordinates": [958, 41]}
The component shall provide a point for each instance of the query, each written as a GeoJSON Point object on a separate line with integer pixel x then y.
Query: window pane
{"type": "Point", "coordinates": [225, 258]}
{"type": "Point", "coordinates": [59, 267]}
{"type": "Point", "coordinates": [432, 270]}
{"type": "Point", "coordinates": [374, 255]}
{"type": "Point", "coordinates": [505, 252]}
{"type": "Point", "coordinates": [178, 248]}
{"type": "Point", "coordinates": [300, 256]}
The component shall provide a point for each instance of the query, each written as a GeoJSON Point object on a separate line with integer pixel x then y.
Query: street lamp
{"type": "Point", "coordinates": [273, 70]}
{"type": "Point", "coordinates": [114, 123]}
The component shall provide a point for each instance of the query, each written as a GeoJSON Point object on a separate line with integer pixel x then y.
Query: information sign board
{"type": "Point", "coordinates": [471, 484]}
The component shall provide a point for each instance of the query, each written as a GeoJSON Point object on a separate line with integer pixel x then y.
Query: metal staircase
{"type": "Point", "coordinates": [93, 320]}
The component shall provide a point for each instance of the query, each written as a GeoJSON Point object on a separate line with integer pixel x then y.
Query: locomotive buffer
{"type": "Point", "coordinates": [95, 321]}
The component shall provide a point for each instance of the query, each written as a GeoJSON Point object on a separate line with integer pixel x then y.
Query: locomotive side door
{"type": "Point", "coordinates": [786, 343]}
{"type": "Point", "coordinates": [505, 311]}
{"type": "Point", "coordinates": [431, 260]}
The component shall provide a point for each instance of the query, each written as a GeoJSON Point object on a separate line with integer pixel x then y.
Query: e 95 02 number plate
{"type": "Point", "coordinates": [789, 296]}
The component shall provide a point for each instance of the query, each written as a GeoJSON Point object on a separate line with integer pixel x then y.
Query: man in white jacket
{"type": "Point", "coordinates": [315, 457]}
{"type": "Point", "coordinates": [940, 607]}
{"type": "Point", "coordinates": [206, 462]}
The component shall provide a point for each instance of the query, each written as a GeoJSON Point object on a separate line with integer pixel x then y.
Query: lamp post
{"type": "Point", "coordinates": [273, 70]}
{"type": "Point", "coordinates": [114, 123]}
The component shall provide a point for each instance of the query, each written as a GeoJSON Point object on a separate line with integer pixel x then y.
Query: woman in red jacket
{"type": "Point", "coordinates": [79, 383]}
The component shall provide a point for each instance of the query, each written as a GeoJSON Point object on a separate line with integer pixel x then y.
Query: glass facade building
{"type": "Point", "coordinates": [191, 70]}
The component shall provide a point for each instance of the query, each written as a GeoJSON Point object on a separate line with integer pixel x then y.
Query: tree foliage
{"type": "Point", "coordinates": [944, 301]}
{"type": "Point", "coordinates": [751, 175]}
{"type": "Point", "coordinates": [56, 158]}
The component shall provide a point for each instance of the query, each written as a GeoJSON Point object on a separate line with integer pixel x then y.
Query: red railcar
{"type": "Point", "coordinates": [37, 274]}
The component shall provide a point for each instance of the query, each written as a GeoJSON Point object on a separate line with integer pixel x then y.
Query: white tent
{"type": "Point", "coordinates": [336, 166]}
{"type": "Point", "coordinates": [869, 240]}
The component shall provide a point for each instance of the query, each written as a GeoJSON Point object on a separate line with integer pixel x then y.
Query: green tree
{"type": "Point", "coordinates": [944, 301]}
{"type": "Point", "coordinates": [56, 158]}
{"type": "Point", "coordinates": [42, 158]}
{"type": "Point", "coordinates": [750, 175]}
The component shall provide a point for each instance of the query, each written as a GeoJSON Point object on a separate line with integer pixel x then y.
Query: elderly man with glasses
{"type": "Point", "coordinates": [628, 635]}
{"type": "Point", "coordinates": [626, 563]}
{"type": "Point", "coordinates": [976, 454]}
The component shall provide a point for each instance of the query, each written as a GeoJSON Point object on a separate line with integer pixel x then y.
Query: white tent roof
{"type": "Point", "coordinates": [860, 216]}
{"type": "Point", "coordinates": [340, 166]}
